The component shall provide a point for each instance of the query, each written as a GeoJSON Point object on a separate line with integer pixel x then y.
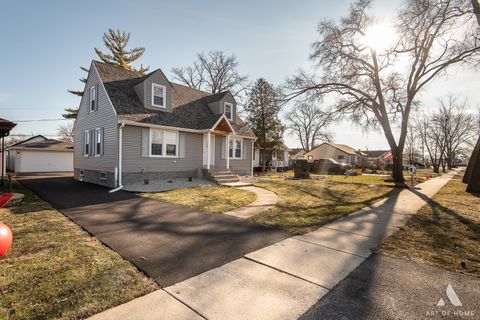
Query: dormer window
{"type": "Point", "coordinates": [93, 98]}
{"type": "Point", "coordinates": [158, 95]}
{"type": "Point", "coordinates": [228, 110]}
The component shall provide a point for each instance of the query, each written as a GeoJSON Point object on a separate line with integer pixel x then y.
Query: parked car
{"type": "Point", "coordinates": [328, 166]}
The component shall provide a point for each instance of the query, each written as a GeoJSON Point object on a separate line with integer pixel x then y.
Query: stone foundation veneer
{"type": "Point", "coordinates": [133, 177]}
{"type": "Point", "coordinates": [93, 176]}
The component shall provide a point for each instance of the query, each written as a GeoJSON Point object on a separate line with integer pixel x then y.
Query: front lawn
{"type": "Point", "coordinates": [444, 233]}
{"type": "Point", "coordinates": [364, 178]}
{"type": "Point", "coordinates": [305, 205]}
{"type": "Point", "coordinates": [215, 199]}
{"type": "Point", "coordinates": [55, 270]}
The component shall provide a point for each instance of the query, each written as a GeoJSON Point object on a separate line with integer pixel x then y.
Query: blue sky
{"type": "Point", "coordinates": [45, 42]}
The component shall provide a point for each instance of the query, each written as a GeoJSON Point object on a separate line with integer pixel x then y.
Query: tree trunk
{"type": "Point", "coordinates": [474, 179]}
{"type": "Point", "coordinates": [476, 9]}
{"type": "Point", "coordinates": [468, 171]}
{"type": "Point", "coordinates": [397, 168]}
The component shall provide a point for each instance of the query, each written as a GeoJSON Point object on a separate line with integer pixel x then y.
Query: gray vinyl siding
{"type": "Point", "coordinates": [144, 90]}
{"type": "Point", "coordinates": [104, 117]}
{"type": "Point", "coordinates": [239, 166]}
{"type": "Point", "coordinates": [133, 162]}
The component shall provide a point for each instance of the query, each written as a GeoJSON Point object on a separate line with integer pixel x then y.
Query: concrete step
{"type": "Point", "coordinates": [220, 181]}
{"type": "Point", "coordinates": [225, 176]}
{"type": "Point", "coordinates": [220, 172]}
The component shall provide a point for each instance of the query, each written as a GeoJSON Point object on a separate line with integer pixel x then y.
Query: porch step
{"type": "Point", "coordinates": [224, 176]}
{"type": "Point", "coordinates": [220, 172]}
{"type": "Point", "coordinates": [220, 181]}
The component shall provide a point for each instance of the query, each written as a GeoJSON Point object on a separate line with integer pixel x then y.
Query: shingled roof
{"type": "Point", "coordinates": [346, 149]}
{"type": "Point", "coordinates": [375, 153]}
{"type": "Point", "coordinates": [190, 108]}
{"type": "Point", "coordinates": [48, 144]}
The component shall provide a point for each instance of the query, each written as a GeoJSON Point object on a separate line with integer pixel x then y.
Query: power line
{"type": "Point", "coordinates": [32, 135]}
{"type": "Point", "coordinates": [40, 120]}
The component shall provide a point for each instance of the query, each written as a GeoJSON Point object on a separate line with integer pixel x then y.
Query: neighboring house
{"type": "Point", "coordinates": [39, 154]}
{"type": "Point", "coordinates": [338, 152]}
{"type": "Point", "coordinates": [276, 160]}
{"type": "Point", "coordinates": [296, 154]}
{"type": "Point", "coordinates": [132, 127]}
{"type": "Point", "coordinates": [379, 159]}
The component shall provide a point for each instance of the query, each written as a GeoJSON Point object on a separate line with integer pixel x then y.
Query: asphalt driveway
{"type": "Point", "coordinates": [168, 242]}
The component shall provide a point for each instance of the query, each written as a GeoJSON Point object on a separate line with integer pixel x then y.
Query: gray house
{"type": "Point", "coordinates": [132, 127]}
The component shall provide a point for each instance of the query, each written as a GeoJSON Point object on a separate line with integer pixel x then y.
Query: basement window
{"type": "Point", "coordinates": [103, 175]}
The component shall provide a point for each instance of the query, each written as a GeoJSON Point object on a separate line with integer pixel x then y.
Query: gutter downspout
{"type": "Point", "coordinates": [120, 143]}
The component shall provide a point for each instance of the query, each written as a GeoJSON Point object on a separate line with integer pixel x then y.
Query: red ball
{"type": "Point", "coordinates": [6, 238]}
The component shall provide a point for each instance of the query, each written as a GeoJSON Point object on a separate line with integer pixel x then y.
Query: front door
{"type": "Point", "coordinates": [212, 149]}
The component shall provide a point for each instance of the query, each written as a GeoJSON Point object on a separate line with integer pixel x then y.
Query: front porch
{"type": "Point", "coordinates": [220, 148]}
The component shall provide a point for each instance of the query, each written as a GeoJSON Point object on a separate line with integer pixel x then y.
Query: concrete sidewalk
{"type": "Point", "coordinates": [284, 280]}
{"type": "Point", "coordinates": [265, 200]}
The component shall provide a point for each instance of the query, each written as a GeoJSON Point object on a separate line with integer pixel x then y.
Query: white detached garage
{"type": "Point", "coordinates": [39, 154]}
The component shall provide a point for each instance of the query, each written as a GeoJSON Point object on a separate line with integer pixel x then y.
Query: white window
{"type": "Point", "coordinates": [163, 143]}
{"type": "Point", "coordinates": [98, 142]}
{"type": "Point", "coordinates": [93, 98]}
{"type": "Point", "coordinates": [235, 148]}
{"type": "Point", "coordinates": [86, 144]}
{"type": "Point", "coordinates": [170, 140]}
{"type": "Point", "coordinates": [156, 138]}
{"type": "Point", "coordinates": [228, 110]}
{"type": "Point", "coordinates": [158, 95]}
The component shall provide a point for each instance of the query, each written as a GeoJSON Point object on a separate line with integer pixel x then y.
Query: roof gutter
{"type": "Point", "coordinates": [120, 143]}
{"type": "Point", "coordinates": [158, 126]}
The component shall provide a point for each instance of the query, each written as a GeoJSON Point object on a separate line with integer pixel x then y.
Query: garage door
{"type": "Point", "coordinates": [44, 161]}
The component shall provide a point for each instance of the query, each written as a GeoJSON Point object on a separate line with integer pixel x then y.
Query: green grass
{"type": "Point", "coordinates": [444, 233]}
{"type": "Point", "coordinates": [55, 270]}
{"type": "Point", "coordinates": [364, 179]}
{"type": "Point", "coordinates": [305, 205]}
{"type": "Point", "coordinates": [215, 199]}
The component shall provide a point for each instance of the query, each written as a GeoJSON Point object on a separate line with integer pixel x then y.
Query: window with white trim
{"type": "Point", "coordinates": [163, 143]}
{"type": "Point", "coordinates": [228, 110]}
{"type": "Point", "coordinates": [158, 95]}
{"type": "Point", "coordinates": [235, 147]}
{"type": "Point", "coordinates": [86, 143]}
{"type": "Point", "coordinates": [93, 98]}
{"type": "Point", "coordinates": [98, 141]}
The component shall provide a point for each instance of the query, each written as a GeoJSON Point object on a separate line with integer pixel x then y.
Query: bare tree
{"type": "Point", "coordinates": [458, 126]}
{"type": "Point", "coordinates": [369, 83]}
{"type": "Point", "coordinates": [411, 144]}
{"type": "Point", "coordinates": [476, 9]}
{"type": "Point", "coordinates": [308, 122]}
{"type": "Point", "coordinates": [213, 72]}
{"type": "Point", "coordinates": [65, 132]}
{"type": "Point", "coordinates": [431, 134]}
{"type": "Point", "coordinates": [472, 173]}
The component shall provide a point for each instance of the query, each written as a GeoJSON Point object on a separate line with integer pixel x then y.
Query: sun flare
{"type": "Point", "coordinates": [379, 37]}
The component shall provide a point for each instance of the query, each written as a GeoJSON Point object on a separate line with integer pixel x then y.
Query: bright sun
{"type": "Point", "coordinates": [379, 37]}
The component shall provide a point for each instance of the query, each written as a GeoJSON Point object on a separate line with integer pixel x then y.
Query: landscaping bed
{"type": "Point", "coordinates": [215, 199]}
{"type": "Point", "coordinates": [55, 270]}
{"type": "Point", "coordinates": [444, 233]}
{"type": "Point", "coordinates": [305, 205]}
